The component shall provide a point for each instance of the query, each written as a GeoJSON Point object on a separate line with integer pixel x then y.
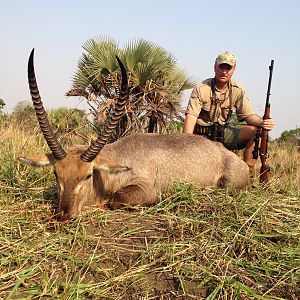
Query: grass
{"type": "Point", "coordinates": [194, 244]}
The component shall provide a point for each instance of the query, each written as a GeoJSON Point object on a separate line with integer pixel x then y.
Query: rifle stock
{"type": "Point", "coordinates": [263, 149]}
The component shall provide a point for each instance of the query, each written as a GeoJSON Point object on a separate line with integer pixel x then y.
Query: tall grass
{"type": "Point", "coordinates": [194, 244]}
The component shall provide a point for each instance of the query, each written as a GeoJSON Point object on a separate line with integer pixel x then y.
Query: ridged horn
{"type": "Point", "coordinates": [41, 114]}
{"type": "Point", "coordinates": [119, 109]}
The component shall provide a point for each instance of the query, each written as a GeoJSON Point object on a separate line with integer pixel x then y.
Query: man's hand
{"type": "Point", "coordinates": [255, 120]}
{"type": "Point", "coordinates": [268, 124]}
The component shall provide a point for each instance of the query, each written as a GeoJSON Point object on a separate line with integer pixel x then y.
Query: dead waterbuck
{"type": "Point", "coordinates": [134, 169]}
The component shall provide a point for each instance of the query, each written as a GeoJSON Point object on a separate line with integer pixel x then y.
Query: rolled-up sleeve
{"type": "Point", "coordinates": [243, 107]}
{"type": "Point", "coordinates": [194, 106]}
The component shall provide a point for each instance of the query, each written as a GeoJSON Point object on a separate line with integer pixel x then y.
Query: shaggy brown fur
{"type": "Point", "coordinates": [132, 170]}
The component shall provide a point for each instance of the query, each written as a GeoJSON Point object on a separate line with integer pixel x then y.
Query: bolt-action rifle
{"type": "Point", "coordinates": [263, 136]}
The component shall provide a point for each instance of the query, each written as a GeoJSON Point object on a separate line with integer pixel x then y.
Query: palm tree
{"type": "Point", "coordinates": [155, 83]}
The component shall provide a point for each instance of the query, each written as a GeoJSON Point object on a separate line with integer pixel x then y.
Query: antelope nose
{"type": "Point", "coordinates": [62, 215]}
{"type": "Point", "coordinates": [66, 218]}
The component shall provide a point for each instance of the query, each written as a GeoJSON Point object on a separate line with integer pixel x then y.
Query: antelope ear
{"type": "Point", "coordinates": [111, 167]}
{"type": "Point", "coordinates": [39, 160]}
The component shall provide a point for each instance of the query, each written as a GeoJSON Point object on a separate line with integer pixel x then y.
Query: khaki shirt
{"type": "Point", "coordinates": [200, 103]}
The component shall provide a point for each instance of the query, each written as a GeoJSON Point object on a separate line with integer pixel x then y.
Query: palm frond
{"type": "Point", "coordinates": [155, 81]}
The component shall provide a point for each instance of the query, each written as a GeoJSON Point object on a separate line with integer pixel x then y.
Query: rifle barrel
{"type": "Point", "coordinates": [270, 80]}
{"type": "Point", "coordinates": [263, 150]}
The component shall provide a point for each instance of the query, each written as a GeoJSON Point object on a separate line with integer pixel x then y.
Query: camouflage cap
{"type": "Point", "coordinates": [226, 58]}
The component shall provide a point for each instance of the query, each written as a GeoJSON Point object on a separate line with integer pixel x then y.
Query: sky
{"type": "Point", "coordinates": [194, 31]}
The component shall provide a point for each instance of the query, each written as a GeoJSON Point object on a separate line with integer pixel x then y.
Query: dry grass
{"type": "Point", "coordinates": [194, 244]}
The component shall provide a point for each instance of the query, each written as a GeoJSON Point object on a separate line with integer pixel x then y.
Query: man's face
{"type": "Point", "coordinates": [224, 72]}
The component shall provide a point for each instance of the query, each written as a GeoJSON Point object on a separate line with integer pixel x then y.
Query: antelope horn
{"type": "Point", "coordinates": [119, 109]}
{"type": "Point", "coordinates": [41, 114]}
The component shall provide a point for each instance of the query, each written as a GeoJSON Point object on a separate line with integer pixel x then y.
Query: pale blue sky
{"type": "Point", "coordinates": [195, 32]}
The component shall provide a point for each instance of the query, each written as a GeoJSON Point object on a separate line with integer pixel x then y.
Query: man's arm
{"type": "Point", "coordinates": [189, 123]}
{"type": "Point", "coordinates": [258, 122]}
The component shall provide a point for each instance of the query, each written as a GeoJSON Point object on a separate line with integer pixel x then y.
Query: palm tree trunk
{"type": "Point", "coordinates": [152, 123]}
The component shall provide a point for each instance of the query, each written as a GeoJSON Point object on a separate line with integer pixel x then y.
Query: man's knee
{"type": "Point", "coordinates": [247, 135]}
{"type": "Point", "coordinates": [252, 130]}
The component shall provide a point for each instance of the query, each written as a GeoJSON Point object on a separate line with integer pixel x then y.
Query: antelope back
{"type": "Point", "coordinates": [165, 158]}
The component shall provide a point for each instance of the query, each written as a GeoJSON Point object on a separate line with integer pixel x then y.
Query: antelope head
{"type": "Point", "coordinates": [76, 168]}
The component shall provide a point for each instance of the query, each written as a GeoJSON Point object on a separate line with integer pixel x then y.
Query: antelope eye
{"type": "Point", "coordinates": [88, 176]}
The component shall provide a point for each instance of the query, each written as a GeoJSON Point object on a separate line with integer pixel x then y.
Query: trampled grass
{"type": "Point", "coordinates": [194, 244]}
